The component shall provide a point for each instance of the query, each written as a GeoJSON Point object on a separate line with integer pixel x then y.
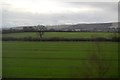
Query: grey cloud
{"type": "Point", "coordinates": [109, 14]}
{"type": "Point", "coordinates": [109, 6]}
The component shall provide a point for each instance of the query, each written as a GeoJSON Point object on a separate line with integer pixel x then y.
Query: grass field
{"type": "Point", "coordinates": [0, 58]}
{"type": "Point", "coordinates": [62, 34]}
{"type": "Point", "coordinates": [60, 59]}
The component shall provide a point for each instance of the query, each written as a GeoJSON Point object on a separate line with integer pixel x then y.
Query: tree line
{"type": "Point", "coordinates": [40, 30]}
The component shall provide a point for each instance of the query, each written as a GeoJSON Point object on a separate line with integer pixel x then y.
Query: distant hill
{"type": "Point", "coordinates": [105, 27]}
{"type": "Point", "coordinates": [86, 27]}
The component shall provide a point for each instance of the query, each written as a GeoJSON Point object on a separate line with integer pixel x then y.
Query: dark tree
{"type": "Point", "coordinates": [40, 29]}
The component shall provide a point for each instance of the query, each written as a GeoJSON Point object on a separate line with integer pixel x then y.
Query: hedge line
{"type": "Point", "coordinates": [114, 39]}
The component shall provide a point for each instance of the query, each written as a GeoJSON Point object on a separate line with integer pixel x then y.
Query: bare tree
{"type": "Point", "coordinates": [40, 29]}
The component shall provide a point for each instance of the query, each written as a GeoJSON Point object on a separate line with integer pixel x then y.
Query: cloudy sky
{"type": "Point", "coordinates": [53, 12]}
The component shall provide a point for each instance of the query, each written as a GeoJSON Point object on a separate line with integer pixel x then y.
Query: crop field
{"type": "Point", "coordinates": [60, 59]}
{"type": "Point", "coordinates": [62, 34]}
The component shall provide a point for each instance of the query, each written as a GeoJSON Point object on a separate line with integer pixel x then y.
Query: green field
{"type": "Point", "coordinates": [60, 59]}
{"type": "Point", "coordinates": [0, 58]}
{"type": "Point", "coordinates": [62, 34]}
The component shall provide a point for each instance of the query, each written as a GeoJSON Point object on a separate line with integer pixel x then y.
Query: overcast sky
{"type": "Point", "coordinates": [52, 12]}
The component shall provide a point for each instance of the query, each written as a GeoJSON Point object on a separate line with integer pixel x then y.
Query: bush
{"type": "Point", "coordinates": [114, 39]}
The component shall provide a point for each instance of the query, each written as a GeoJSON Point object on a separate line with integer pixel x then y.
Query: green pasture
{"type": "Point", "coordinates": [62, 34]}
{"type": "Point", "coordinates": [59, 59]}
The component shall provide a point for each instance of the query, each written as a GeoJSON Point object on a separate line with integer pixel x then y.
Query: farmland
{"type": "Point", "coordinates": [59, 59]}
{"type": "Point", "coordinates": [62, 34]}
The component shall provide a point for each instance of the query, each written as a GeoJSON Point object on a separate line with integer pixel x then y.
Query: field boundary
{"type": "Point", "coordinates": [113, 39]}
